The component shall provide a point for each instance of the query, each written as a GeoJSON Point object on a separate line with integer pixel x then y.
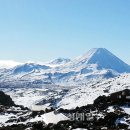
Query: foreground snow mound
{"type": "Point", "coordinates": [54, 117]}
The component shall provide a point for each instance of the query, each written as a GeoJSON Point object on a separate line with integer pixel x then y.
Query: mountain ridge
{"type": "Point", "coordinates": [97, 63]}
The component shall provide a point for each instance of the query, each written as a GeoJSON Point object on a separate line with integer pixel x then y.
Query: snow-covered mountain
{"type": "Point", "coordinates": [96, 64]}
{"type": "Point", "coordinates": [59, 61]}
{"type": "Point", "coordinates": [102, 58]}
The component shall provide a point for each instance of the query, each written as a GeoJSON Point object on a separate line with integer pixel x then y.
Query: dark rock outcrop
{"type": "Point", "coordinates": [6, 100]}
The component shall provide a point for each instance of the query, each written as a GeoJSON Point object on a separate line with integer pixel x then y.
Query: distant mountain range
{"type": "Point", "coordinates": [98, 63]}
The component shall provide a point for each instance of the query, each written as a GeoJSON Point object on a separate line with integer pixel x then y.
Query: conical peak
{"type": "Point", "coordinates": [103, 58]}
{"type": "Point", "coordinates": [94, 51]}
{"type": "Point", "coordinates": [98, 50]}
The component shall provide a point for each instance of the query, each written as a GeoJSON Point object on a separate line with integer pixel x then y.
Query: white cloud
{"type": "Point", "coordinates": [8, 63]}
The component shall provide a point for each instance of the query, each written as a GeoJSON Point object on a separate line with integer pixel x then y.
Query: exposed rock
{"type": "Point", "coordinates": [5, 100]}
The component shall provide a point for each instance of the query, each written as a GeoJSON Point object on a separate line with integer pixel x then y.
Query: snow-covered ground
{"type": "Point", "coordinates": [68, 97]}
{"type": "Point", "coordinates": [86, 94]}
{"type": "Point", "coordinates": [79, 129]}
{"type": "Point", "coordinates": [50, 118]}
{"type": "Point", "coordinates": [54, 118]}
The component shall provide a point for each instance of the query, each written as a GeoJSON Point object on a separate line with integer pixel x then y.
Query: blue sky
{"type": "Point", "coordinates": [41, 30]}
